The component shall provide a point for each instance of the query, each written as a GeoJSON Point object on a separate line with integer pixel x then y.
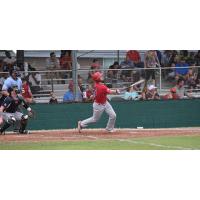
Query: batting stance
{"type": "Point", "coordinates": [100, 104]}
{"type": "Point", "coordinates": [9, 113]}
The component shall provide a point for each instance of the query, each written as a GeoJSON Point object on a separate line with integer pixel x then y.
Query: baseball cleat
{"type": "Point", "coordinates": [79, 126]}
{"type": "Point", "coordinates": [24, 132]}
{"type": "Point", "coordinates": [110, 131]}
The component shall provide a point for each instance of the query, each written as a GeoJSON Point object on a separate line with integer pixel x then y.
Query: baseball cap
{"type": "Point", "coordinates": [151, 87]}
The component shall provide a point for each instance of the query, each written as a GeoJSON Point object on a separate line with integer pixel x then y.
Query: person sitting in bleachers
{"type": "Point", "coordinates": [88, 94]}
{"type": "Point", "coordinates": [131, 94]}
{"type": "Point", "coordinates": [66, 64]}
{"type": "Point", "coordinates": [127, 67]}
{"type": "Point", "coordinates": [150, 93]}
{"type": "Point", "coordinates": [35, 81]}
{"type": "Point", "coordinates": [191, 79]}
{"type": "Point", "coordinates": [53, 99]}
{"type": "Point", "coordinates": [69, 96]}
{"type": "Point", "coordinates": [171, 95]}
{"type": "Point", "coordinates": [9, 62]}
{"type": "Point", "coordinates": [180, 89]}
{"type": "Point", "coordinates": [181, 72]}
{"type": "Point", "coordinates": [112, 74]}
{"type": "Point", "coordinates": [26, 92]}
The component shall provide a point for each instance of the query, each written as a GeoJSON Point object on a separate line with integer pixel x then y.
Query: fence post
{"type": "Point", "coordinates": [75, 74]}
{"type": "Point", "coordinates": [160, 86]}
{"type": "Point", "coordinates": [52, 86]}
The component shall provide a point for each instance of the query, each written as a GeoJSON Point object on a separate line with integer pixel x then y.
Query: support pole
{"type": "Point", "coordinates": [118, 56]}
{"type": "Point", "coordinates": [75, 74]}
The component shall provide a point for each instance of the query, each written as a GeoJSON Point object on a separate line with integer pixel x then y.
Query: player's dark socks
{"type": "Point", "coordinates": [23, 127]}
{"type": "Point", "coordinates": [5, 126]}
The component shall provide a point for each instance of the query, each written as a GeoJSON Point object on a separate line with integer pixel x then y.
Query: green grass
{"type": "Point", "coordinates": [153, 143]}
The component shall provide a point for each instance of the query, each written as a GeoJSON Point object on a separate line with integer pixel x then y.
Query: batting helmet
{"type": "Point", "coordinates": [97, 76]}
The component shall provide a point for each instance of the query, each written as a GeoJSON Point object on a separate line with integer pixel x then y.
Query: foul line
{"type": "Point", "coordinates": [145, 143]}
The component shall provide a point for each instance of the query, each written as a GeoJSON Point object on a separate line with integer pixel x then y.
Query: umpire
{"type": "Point", "coordinates": [12, 81]}
{"type": "Point", "coordinates": [9, 113]}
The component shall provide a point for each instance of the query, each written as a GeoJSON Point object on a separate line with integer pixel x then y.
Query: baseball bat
{"type": "Point", "coordinates": [134, 84]}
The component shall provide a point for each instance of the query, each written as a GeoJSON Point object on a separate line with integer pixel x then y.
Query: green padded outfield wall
{"type": "Point", "coordinates": [130, 114]}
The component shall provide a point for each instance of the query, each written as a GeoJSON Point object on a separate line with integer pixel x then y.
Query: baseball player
{"type": "Point", "coordinates": [9, 113]}
{"type": "Point", "coordinates": [100, 104]}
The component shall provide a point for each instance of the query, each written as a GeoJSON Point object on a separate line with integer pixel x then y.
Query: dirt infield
{"type": "Point", "coordinates": [94, 134]}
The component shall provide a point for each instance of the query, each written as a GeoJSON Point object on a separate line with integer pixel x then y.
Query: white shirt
{"type": "Point", "coordinates": [37, 77]}
{"type": "Point", "coordinates": [9, 60]}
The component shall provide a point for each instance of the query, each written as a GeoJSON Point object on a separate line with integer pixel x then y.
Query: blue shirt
{"type": "Point", "coordinates": [127, 64]}
{"type": "Point", "coordinates": [68, 96]}
{"type": "Point", "coordinates": [130, 95]}
{"type": "Point", "coordinates": [10, 82]}
{"type": "Point", "coordinates": [182, 71]}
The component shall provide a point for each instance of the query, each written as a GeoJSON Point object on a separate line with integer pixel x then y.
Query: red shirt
{"type": "Point", "coordinates": [89, 93]}
{"type": "Point", "coordinates": [65, 62]}
{"type": "Point", "coordinates": [26, 91]}
{"type": "Point", "coordinates": [100, 93]}
{"type": "Point", "coordinates": [133, 55]}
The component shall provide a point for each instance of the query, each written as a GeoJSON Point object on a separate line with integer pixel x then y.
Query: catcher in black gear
{"type": "Point", "coordinates": [10, 114]}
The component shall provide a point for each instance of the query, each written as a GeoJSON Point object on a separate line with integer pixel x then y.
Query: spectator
{"type": "Point", "coordinates": [171, 72]}
{"type": "Point", "coordinates": [69, 95]}
{"type": "Point", "coordinates": [191, 78]}
{"type": "Point", "coordinates": [173, 56]}
{"type": "Point", "coordinates": [80, 83]}
{"type": "Point", "coordinates": [181, 72]}
{"type": "Point", "coordinates": [35, 81]}
{"type": "Point", "coordinates": [2, 79]}
{"type": "Point", "coordinates": [191, 58]}
{"type": "Point", "coordinates": [126, 66]}
{"type": "Point", "coordinates": [133, 56]}
{"type": "Point", "coordinates": [197, 58]}
{"type": "Point", "coordinates": [52, 64]}
{"type": "Point", "coordinates": [113, 73]}
{"type": "Point", "coordinates": [9, 62]}
{"type": "Point", "coordinates": [26, 92]}
{"type": "Point", "coordinates": [95, 66]}
{"type": "Point", "coordinates": [131, 94]}
{"type": "Point", "coordinates": [1, 65]}
{"type": "Point", "coordinates": [172, 95]}
{"type": "Point", "coordinates": [150, 93]}
{"type": "Point", "coordinates": [197, 62]}
{"type": "Point", "coordinates": [151, 61]}
{"type": "Point", "coordinates": [184, 54]}
{"type": "Point", "coordinates": [53, 99]}
{"type": "Point", "coordinates": [159, 55]}
{"type": "Point", "coordinates": [66, 64]}
{"type": "Point", "coordinates": [180, 89]}
{"type": "Point", "coordinates": [166, 58]}
{"type": "Point", "coordinates": [88, 93]}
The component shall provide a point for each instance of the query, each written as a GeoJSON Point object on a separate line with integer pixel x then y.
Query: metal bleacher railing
{"type": "Point", "coordinates": [57, 81]}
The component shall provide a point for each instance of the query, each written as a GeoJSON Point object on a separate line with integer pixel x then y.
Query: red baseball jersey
{"type": "Point", "coordinates": [100, 94]}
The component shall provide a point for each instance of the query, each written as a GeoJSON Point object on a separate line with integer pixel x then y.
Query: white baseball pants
{"type": "Point", "coordinates": [98, 110]}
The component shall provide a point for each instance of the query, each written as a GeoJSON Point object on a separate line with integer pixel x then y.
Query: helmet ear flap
{"type": "Point", "coordinates": [97, 76]}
